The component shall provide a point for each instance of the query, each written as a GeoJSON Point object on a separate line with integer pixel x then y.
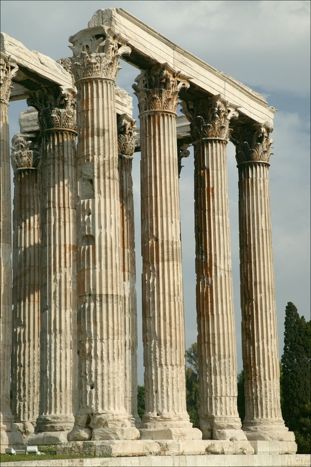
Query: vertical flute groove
{"type": "Point", "coordinates": [162, 287]}
{"type": "Point", "coordinates": [102, 411]}
{"type": "Point", "coordinates": [58, 268]}
{"type": "Point", "coordinates": [263, 417]}
{"type": "Point", "coordinates": [26, 297]}
{"type": "Point", "coordinates": [216, 332]}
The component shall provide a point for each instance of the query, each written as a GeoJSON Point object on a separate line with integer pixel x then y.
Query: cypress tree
{"type": "Point", "coordinates": [296, 376]}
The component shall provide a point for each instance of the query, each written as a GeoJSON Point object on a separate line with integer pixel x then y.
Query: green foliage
{"type": "Point", "coordinates": [192, 384]}
{"type": "Point", "coordinates": [296, 377]}
{"type": "Point", "coordinates": [140, 401]}
{"type": "Point", "coordinates": [36, 457]}
{"type": "Point", "coordinates": [192, 358]}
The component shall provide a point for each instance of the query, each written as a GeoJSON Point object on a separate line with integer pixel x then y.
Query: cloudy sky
{"type": "Point", "coordinates": [264, 44]}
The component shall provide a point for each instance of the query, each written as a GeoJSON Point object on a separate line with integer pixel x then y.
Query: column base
{"type": "Point", "coordinates": [10, 436]}
{"type": "Point", "coordinates": [48, 437]}
{"type": "Point", "coordinates": [46, 423]}
{"type": "Point", "coordinates": [25, 428]}
{"type": "Point", "coordinates": [103, 427]}
{"type": "Point", "coordinates": [267, 430]}
{"type": "Point", "coordinates": [51, 429]}
{"type": "Point", "coordinates": [222, 428]}
{"type": "Point", "coordinates": [157, 428]}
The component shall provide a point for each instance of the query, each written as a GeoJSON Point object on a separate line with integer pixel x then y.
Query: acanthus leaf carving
{"type": "Point", "coordinates": [126, 136]}
{"type": "Point", "coordinates": [158, 88]}
{"type": "Point", "coordinates": [24, 154]}
{"type": "Point", "coordinates": [56, 110]}
{"type": "Point", "coordinates": [66, 63]}
{"type": "Point", "coordinates": [253, 142]}
{"type": "Point", "coordinates": [210, 117]}
{"type": "Point", "coordinates": [8, 69]}
{"type": "Point", "coordinates": [97, 57]}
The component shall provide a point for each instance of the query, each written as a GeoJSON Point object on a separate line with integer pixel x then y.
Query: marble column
{"type": "Point", "coordinates": [58, 263]}
{"type": "Point", "coordinates": [26, 285]}
{"type": "Point", "coordinates": [162, 288]}
{"type": "Point", "coordinates": [8, 432]}
{"type": "Point", "coordinates": [219, 419]}
{"type": "Point", "coordinates": [101, 341]}
{"type": "Point", "coordinates": [126, 148]}
{"type": "Point", "coordinates": [263, 417]}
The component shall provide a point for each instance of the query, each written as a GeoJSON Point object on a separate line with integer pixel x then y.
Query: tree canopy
{"type": "Point", "coordinates": [296, 377]}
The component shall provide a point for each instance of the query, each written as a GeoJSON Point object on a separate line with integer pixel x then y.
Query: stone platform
{"type": "Point", "coordinates": [266, 460]}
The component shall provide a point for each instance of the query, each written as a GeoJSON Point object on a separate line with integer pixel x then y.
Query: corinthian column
{"type": "Point", "coordinates": [26, 286]}
{"type": "Point", "coordinates": [219, 419]}
{"type": "Point", "coordinates": [8, 433]}
{"type": "Point", "coordinates": [58, 264]}
{"type": "Point", "coordinates": [162, 289]}
{"type": "Point", "coordinates": [126, 146]}
{"type": "Point", "coordinates": [102, 413]}
{"type": "Point", "coordinates": [263, 417]}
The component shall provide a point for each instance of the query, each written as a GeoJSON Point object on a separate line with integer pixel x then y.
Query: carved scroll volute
{"type": "Point", "coordinates": [56, 110]}
{"type": "Point", "coordinates": [8, 69]}
{"type": "Point", "coordinates": [96, 54]}
{"type": "Point", "coordinates": [210, 117]}
{"type": "Point", "coordinates": [253, 142]}
{"type": "Point", "coordinates": [158, 88]}
{"type": "Point", "coordinates": [126, 136]}
{"type": "Point", "coordinates": [24, 153]}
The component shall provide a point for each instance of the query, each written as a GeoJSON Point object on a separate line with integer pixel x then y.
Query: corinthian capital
{"type": "Point", "coordinates": [66, 63]}
{"type": "Point", "coordinates": [8, 69]}
{"type": "Point", "coordinates": [158, 87]}
{"type": "Point", "coordinates": [56, 110]}
{"type": "Point", "coordinates": [126, 136]}
{"type": "Point", "coordinates": [210, 117]}
{"type": "Point", "coordinates": [96, 53]}
{"type": "Point", "coordinates": [23, 156]}
{"type": "Point", "coordinates": [253, 142]}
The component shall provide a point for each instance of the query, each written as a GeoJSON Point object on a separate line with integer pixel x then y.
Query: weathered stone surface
{"type": "Point", "coordinates": [219, 419]}
{"type": "Point", "coordinates": [26, 285]}
{"type": "Point", "coordinates": [167, 447]}
{"type": "Point", "coordinates": [263, 417]}
{"type": "Point", "coordinates": [8, 433]}
{"type": "Point", "coordinates": [100, 313]}
{"type": "Point", "coordinates": [58, 264]}
{"type": "Point", "coordinates": [163, 321]}
{"type": "Point", "coordinates": [106, 344]}
{"type": "Point", "coordinates": [126, 148]}
{"type": "Point", "coordinates": [150, 46]}
{"type": "Point", "coordinates": [177, 461]}
{"type": "Point", "coordinates": [274, 446]}
{"type": "Point", "coordinates": [45, 69]}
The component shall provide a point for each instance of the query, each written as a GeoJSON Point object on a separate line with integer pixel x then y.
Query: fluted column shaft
{"type": "Point", "coordinates": [162, 288]}
{"type": "Point", "coordinates": [102, 413]}
{"type": "Point", "coordinates": [26, 287]}
{"type": "Point", "coordinates": [58, 264]}
{"type": "Point", "coordinates": [218, 413]}
{"type": "Point", "coordinates": [126, 145]}
{"type": "Point", "coordinates": [8, 434]}
{"type": "Point", "coordinates": [263, 417]}
{"type": "Point", "coordinates": [99, 274]}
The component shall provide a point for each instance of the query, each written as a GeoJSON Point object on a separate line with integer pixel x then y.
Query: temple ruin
{"type": "Point", "coordinates": [68, 330]}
